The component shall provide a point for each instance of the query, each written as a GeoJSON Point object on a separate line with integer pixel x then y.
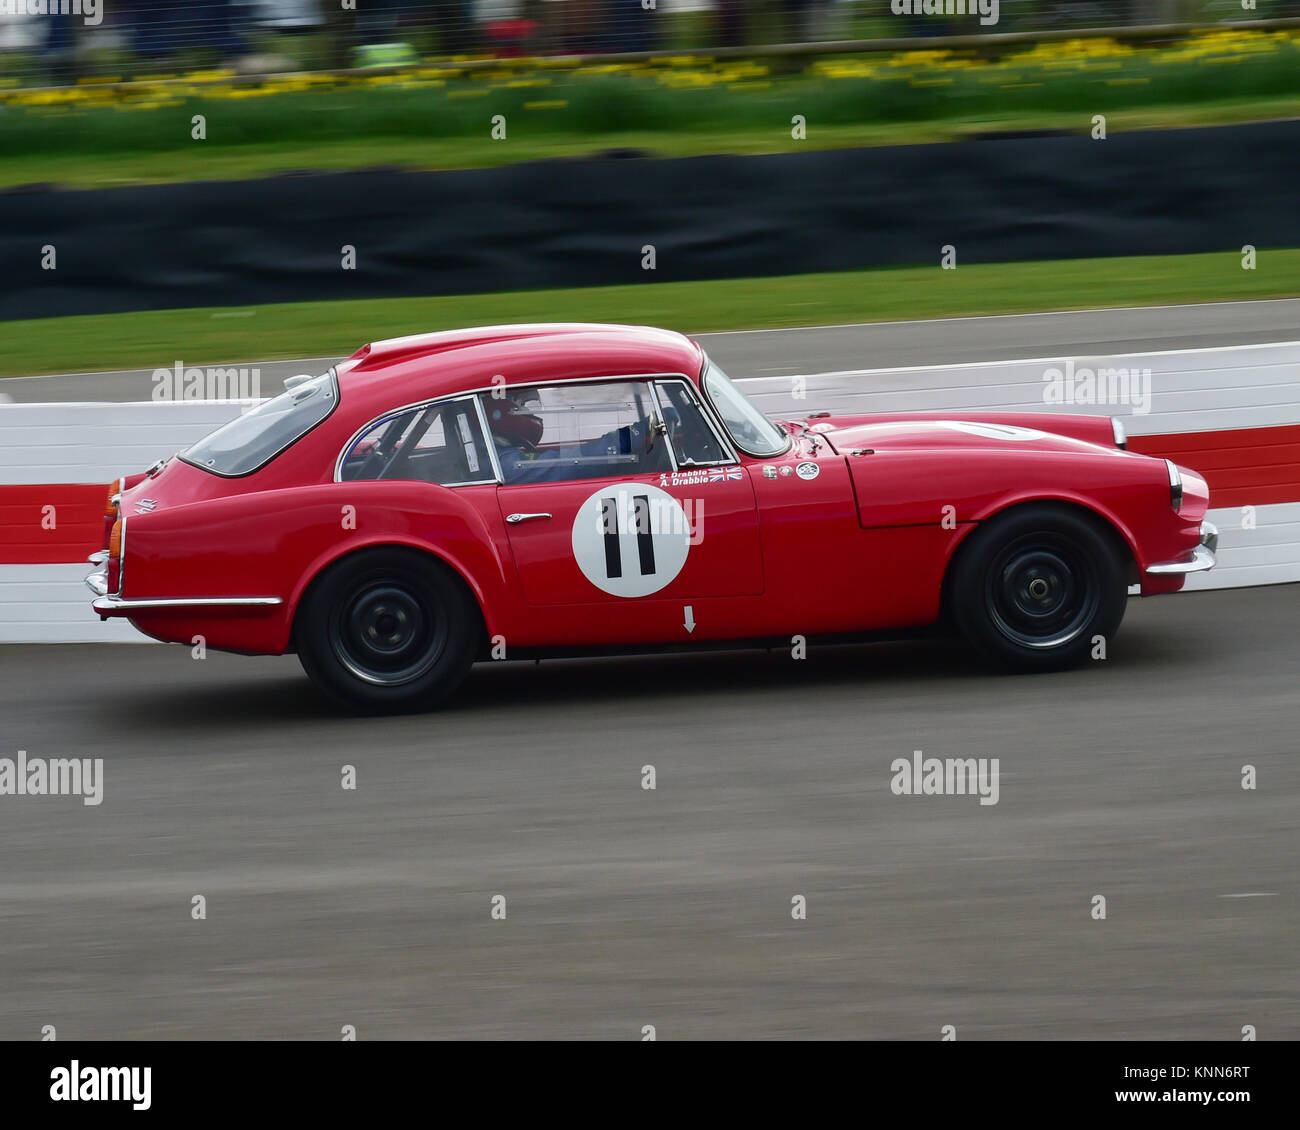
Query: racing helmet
{"type": "Point", "coordinates": [512, 422]}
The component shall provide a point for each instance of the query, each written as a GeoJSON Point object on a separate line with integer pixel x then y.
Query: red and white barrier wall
{"type": "Point", "coordinates": [1232, 414]}
{"type": "Point", "coordinates": [64, 456]}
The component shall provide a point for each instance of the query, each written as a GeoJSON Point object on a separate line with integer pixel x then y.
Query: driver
{"type": "Point", "coordinates": [517, 431]}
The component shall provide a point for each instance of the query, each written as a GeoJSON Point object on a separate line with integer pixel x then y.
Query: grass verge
{"type": "Point", "coordinates": [192, 162]}
{"type": "Point", "coordinates": [153, 339]}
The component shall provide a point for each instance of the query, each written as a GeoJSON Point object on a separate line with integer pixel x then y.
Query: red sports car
{"type": "Point", "coordinates": [543, 489]}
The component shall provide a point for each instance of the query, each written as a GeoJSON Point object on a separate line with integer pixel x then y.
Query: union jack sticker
{"type": "Point", "coordinates": [722, 474]}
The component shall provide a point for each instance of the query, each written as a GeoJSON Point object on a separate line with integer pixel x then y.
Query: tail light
{"type": "Point", "coordinates": [115, 558]}
{"type": "Point", "coordinates": [110, 509]}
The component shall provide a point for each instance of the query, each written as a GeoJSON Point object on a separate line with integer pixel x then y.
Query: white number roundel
{"type": "Point", "coordinates": [630, 539]}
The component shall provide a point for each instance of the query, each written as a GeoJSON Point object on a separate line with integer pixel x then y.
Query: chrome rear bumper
{"type": "Point", "coordinates": [97, 581]}
{"type": "Point", "coordinates": [1203, 556]}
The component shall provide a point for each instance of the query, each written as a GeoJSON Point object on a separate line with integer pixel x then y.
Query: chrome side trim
{"type": "Point", "coordinates": [660, 426]}
{"type": "Point", "coordinates": [1203, 556]}
{"type": "Point", "coordinates": [488, 439]}
{"type": "Point", "coordinates": [113, 603]}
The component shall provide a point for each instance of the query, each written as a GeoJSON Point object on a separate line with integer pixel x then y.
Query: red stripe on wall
{"type": "Point", "coordinates": [32, 535]}
{"type": "Point", "coordinates": [1244, 467]}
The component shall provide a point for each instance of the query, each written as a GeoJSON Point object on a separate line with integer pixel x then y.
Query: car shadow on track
{"type": "Point", "coordinates": [760, 672]}
{"type": "Point", "coordinates": [245, 690]}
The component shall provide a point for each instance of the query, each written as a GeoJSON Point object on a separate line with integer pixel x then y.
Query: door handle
{"type": "Point", "coordinates": [515, 519]}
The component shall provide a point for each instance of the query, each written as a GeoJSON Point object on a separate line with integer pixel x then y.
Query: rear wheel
{"type": "Point", "coordinates": [388, 629]}
{"type": "Point", "coordinates": [1034, 588]}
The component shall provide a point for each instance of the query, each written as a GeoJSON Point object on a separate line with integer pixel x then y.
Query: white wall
{"type": "Point", "coordinates": [1192, 391]}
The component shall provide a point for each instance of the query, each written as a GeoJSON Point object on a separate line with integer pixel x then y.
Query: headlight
{"type": "Point", "coordinates": [1121, 437]}
{"type": "Point", "coordinates": [1175, 485]}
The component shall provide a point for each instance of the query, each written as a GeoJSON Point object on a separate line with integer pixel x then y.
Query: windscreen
{"type": "Point", "coordinates": [752, 431]}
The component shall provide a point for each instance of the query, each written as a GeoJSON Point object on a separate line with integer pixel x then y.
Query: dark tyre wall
{"type": "Point", "coordinates": [585, 222]}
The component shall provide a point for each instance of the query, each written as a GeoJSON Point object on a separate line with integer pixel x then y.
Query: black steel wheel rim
{"type": "Point", "coordinates": [1042, 591]}
{"type": "Point", "coordinates": [387, 632]}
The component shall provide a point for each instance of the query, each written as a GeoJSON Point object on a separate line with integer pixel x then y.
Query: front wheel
{"type": "Point", "coordinates": [1036, 588]}
{"type": "Point", "coordinates": [387, 630]}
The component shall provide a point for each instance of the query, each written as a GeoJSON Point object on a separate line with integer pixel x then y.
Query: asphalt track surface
{"type": "Point", "coordinates": [824, 349]}
{"type": "Point", "coordinates": [627, 907]}
{"type": "Point", "coordinates": [672, 907]}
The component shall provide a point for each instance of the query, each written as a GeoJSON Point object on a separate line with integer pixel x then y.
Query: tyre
{"type": "Point", "coordinates": [1034, 587]}
{"type": "Point", "coordinates": [388, 630]}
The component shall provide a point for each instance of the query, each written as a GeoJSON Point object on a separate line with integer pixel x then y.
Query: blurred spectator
{"type": "Point", "coordinates": [376, 21]}
{"type": "Point", "coordinates": [582, 22]}
{"type": "Point", "coordinates": [455, 24]}
{"type": "Point", "coordinates": [162, 27]}
{"type": "Point", "coordinates": [287, 15]}
{"type": "Point", "coordinates": [373, 31]}
{"type": "Point", "coordinates": [632, 27]}
{"type": "Point", "coordinates": [795, 24]}
{"type": "Point", "coordinates": [730, 23]}
{"type": "Point", "coordinates": [60, 51]}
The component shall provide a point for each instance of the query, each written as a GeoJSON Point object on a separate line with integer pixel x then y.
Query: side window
{"type": "Point", "coordinates": [694, 442]}
{"type": "Point", "coordinates": [442, 444]}
{"type": "Point", "coordinates": [558, 433]}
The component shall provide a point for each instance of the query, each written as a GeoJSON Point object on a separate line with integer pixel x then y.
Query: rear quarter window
{"type": "Point", "coordinates": [442, 443]}
{"type": "Point", "coordinates": [252, 440]}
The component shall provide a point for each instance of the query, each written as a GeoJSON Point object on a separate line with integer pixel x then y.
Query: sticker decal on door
{"type": "Point", "coordinates": [630, 539]}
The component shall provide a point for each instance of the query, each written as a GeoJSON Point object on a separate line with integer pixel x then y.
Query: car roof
{"type": "Point", "coordinates": [404, 370]}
